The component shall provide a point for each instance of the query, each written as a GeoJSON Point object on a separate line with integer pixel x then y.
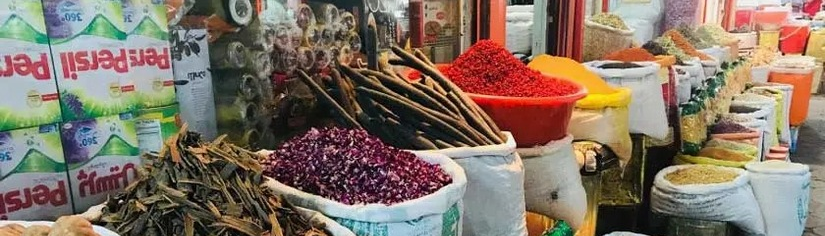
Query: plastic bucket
{"type": "Point", "coordinates": [817, 78]}
{"type": "Point", "coordinates": [793, 38]}
{"type": "Point", "coordinates": [769, 39]}
{"type": "Point", "coordinates": [744, 19]}
{"type": "Point", "coordinates": [746, 40]}
{"type": "Point", "coordinates": [816, 45]}
{"type": "Point", "coordinates": [769, 20]}
{"type": "Point", "coordinates": [802, 80]}
{"type": "Point", "coordinates": [533, 121]}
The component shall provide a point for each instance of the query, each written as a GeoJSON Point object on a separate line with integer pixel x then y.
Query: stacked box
{"type": "Point", "coordinates": [147, 43]}
{"type": "Point", "coordinates": [33, 175]}
{"type": "Point", "coordinates": [102, 157]}
{"type": "Point", "coordinates": [87, 43]}
{"type": "Point", "coordinates": [26, 81]}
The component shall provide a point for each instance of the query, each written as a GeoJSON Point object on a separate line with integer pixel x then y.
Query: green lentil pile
{"type": "Point", "coordinates": [611, 20]}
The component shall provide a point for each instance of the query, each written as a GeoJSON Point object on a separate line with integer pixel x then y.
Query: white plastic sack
{"type": "Point", "coordinates": [783, 192]}
{"type": "Point", "coordinates": [764, 143]}
{"type": "Point", "coordinates": [695, 70]}
{"type": "Point", "coordinates": [730, 202]}
{"type": "Point", "coordinates": [439, 213]}
{"type": "Point", "coordinates": [766, 104]}
{"type": "Point", "coordinates": [683, 87]}
{"type": "Point", "coordinates": [519, 31]}
{"type": "Point", "coordinates": [760, 74]}
{"type": "Point", "coordinates": [600, 125]}
{"type": "Point", "coordinates": [494, 201]}
{"type": "Point", "coordinates": [644, 17]}
{"type": "Point", "coordinates": [647, 106]}
{"type": "Point", "coordinates": [553, 185]}
{"type": "Point", "coordinates": [710, 67]}
{"type": "Point", "coordinates": [787, 97]}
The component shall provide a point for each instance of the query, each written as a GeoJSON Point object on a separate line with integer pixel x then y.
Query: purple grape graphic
{"type": "Point", "coordinates": [77, 137]}
{"type": "Point", "coordinates": [73, 103]}
{"type": "Point", "coordinates": [56, 25]}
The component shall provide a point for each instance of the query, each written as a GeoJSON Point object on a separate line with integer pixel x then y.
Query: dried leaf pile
{"type": "Point", "coordinates": [432, 113]}
{"type": "Point", "coordinates": [199, 188]}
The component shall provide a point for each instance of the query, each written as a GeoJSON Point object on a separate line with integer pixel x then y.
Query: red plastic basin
{"type": "Point", "coordinates": [533, 121]}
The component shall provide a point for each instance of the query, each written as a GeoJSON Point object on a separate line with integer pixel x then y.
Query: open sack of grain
{"type": "Point", "coordinates": [708, 192]}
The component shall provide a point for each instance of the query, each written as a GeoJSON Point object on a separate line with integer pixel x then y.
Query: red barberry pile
{"type": "Point", "coordinates": [488, 68]}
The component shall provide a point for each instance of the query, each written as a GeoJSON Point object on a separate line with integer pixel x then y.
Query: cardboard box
{"type": "Point", "coordinates": [33, 182]}
{"type": "Point", "coordinates": [149, 59]}
{"type": "Point", "coordinates": [102, 157]}
{"type": "Point", "coordinates": [26, 80]}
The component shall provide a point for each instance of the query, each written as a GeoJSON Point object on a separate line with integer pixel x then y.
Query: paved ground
{"type": "Point", "coordinates": [811, 151]}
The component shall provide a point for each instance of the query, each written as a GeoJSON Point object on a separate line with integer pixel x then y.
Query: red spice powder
{"type": "Point", "coordinates": [488, 68]}
{"type": "Point", "coordinates": [630, 54]}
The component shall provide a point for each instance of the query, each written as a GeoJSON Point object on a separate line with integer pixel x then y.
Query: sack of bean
{"type": "Point", "coordinates": [787, 96]}
{"type": "Point", "coordinates": [599, 40]}
{"type": "Point", "coordinates": [494, 200]}
{"type": "Point", "coordinates": [553, 185]}
{"type": "Point", "coordinates": [785, 213]}
{"type": "Point", "coordinates": [707, 192]}
{"type": "Point", "coordinates": [695, 70]}
{"type": "Point", "coordinates": [367, 186]}
{"type": "Point", "coordinates": [693, 126]}
{"type": "Point", "coordinates": [647, 106]}
{"type": "Point", "coordinates": [782, 127]}
{"type": "Point", "coordinates": [604, 118]}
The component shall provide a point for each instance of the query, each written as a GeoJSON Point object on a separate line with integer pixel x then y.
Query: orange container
{"type": "Point", "coordinates": [533, 121]}
{"type": "Point", "coordinates": [793, 38]}
{"type": "Point", "coordinates": [802, 80]}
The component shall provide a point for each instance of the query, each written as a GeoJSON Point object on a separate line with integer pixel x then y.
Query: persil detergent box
{"type": "Point", "coordinates": [87, 41]}
{"type": "Point", "coordinates": [33, 181]}
{"type": "Point", "coordinates": [29, 95]}
{"type": "Point", "coordinates": [148, 46]}
{"type": "Point", "coordinates": [102, 157]}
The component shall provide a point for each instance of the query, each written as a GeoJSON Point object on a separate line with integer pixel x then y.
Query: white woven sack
{"type": "Point", "coordinates": [439, 213]}
{"type": "Point", "coordinates": [553, 185]}
{"type": "Point", "coordinates": [696, 71]}
{"type": "Point", "coordinates": [787, 96]}
{"type": "Point", "coordinates": [730, 202]}
{"type": "Point", "coordinates": [644, 17]}
{"type": "Point", "coordinates": [519, 31]}
{"type": "Point", "coordinates": [494, 200]}
{"type": "Point", "coordinates": [759, 74]}
{"type": "Point", "coordinates": [764, 132]}
{"type": "Point", "coordinates": [647, 106]}
{"type": "Point", "coordinates": [767, 104]}
{"type": "Point", "coordinates": [782, 190]}
{"type": "Point", "coordinates": [683, 87]}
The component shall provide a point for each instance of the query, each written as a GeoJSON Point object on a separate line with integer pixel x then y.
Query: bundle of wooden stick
{"type": "Point", "coordinates": [432, 113]}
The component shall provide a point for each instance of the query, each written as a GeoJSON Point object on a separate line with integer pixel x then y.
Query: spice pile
{"type": "Point", "coordinates": [725, 127]}
{"type": "Point", "coordinates": [432, 113]}
{"type": "Point", "coordinates": [352, 167]}
{"type": "Point", "coordinates": [701, 174]}
{"type": "Point", "coordinates": [571, 69]}
{"type": "Point", "coordinates": [692, 37]}
{"type": "Point", "coordinates": [763, 56]}
{"type": "Point", "coordinates": [488, 68]}
{"type": "Point", "coordinates": [611, 20]}
{"type": "Point", "coordinates": [682, 43]}
{"type": "Point", "coordinates": [630, 55]}
{"type": "Point", "coordinates": [670, 48]}
{"type": "Point", "coordinates": [199, 188]}
{"type": "Point", "coordinates": [715, 34]}
{"type": "Point", "coordinates": [620, 65]}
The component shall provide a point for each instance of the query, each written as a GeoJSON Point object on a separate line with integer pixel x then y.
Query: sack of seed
{"type": "Point", "coordinates": [707, 192]}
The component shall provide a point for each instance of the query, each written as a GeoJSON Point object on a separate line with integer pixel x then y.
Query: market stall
{"type": "Point", "coordinates": [364, 118]}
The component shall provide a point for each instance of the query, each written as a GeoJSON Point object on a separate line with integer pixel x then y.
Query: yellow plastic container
{"type": "Point", "coordinates": [769, 39]}
{"type": "Point", "coordinates": [816, 45]}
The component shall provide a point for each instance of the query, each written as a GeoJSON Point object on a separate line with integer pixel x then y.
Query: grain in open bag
{"type": "Point", "coordinates": [647, 106]}
{"type": "Point", "coordinates": [730, 201]}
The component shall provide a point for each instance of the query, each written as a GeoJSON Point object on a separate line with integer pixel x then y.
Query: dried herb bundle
{"type": "Point", "coordinates": [197, 188]}
{"type": "Point", "coordinates": [430, 114]}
